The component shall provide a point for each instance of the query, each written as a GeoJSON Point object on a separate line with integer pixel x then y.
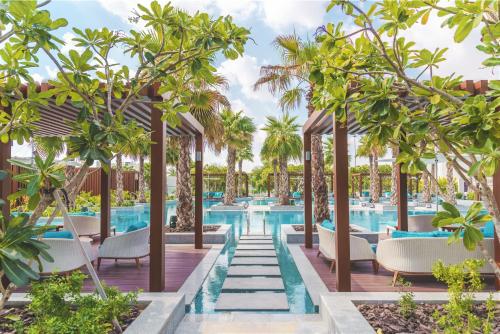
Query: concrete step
{"type": "Point", "coordinates": [255, 246]}
{"type": "Point", "coordinates": [256, 283]}
{"type": "Point", "coordinates": [254, 242]}
{"type": "Point", "coordinates": [254, 271]}
{"type": "Point", "coordinates": [257, 301]}
{"type": "Point", "coordinates": [254, 261]}
{"type": "Point", "coordinates": [255, 253]}
{"type": "Point", "coordinates": [255, 237]}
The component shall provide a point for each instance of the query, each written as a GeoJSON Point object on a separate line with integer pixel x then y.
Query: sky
{"type": "Point", "coordinates": [266, 19]}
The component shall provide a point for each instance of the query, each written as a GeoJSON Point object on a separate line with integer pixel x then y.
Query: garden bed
{"type": "Point", "coordinates": [212, 234]}
{"type": "Point", "coordinates": [387, 318]}
{"type": "Point", "coordinates": [11, 317]}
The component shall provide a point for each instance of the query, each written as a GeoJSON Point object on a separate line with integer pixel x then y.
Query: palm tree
{"type": "Point", "coordinates": [329, 160]}
{"type": "Point", "coordinates": [291, 81]}
{"type": "Point", "coordinates": [140, 148]}
{"type": "Point", "coordinates": [373, 150]}
{"type": "Point", "coordinates": [450, 184]}
{"type": "Point", "coordinates": [238, 133]}
{"type": "Point", "coordinates": [242, 155]}
{"type": "Point", "coordinates": [284, 143]}
{"type": "Point", "coordinates": [204, 104]}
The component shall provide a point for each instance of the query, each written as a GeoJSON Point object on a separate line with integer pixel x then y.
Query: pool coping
{"type": "Point", "coordinates": [195, 280]}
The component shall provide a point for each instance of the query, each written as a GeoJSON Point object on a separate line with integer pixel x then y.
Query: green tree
{"type": "Point", "coordinates": [391, 87]}
{"type": "Point", "coordinates": [293, 81]}
{"type": "Point", "coordinates": [238, 133]}
{"type": "Point", "coordinates": [245, 154]}
{"type": "Point", "coordinates": [283, 143]}
{"type": "Point", "coordinates": [373, 151]}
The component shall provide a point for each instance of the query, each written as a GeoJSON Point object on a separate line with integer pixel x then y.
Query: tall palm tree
{"type": "Point", "coordinates": [329, 160]}
{"type": "Point", "coordinates": [290, 80]}
{"type": "Point", "coordinates": [394, 175]}
{"type": "Point", "coordinates": [140, 148]}
{"type": "Point", "coordinates": [373, 150]}
{"type": "Point", "coordinates": [238, 133]}
{"type": "Point", "coordinates": [450, 184]}
{"type": "Point", "coordinates": [284, 143]}
{"type": "Point", "coordinates": [242, 155]}
{"type": "Point", "coordinates": [205, 102]}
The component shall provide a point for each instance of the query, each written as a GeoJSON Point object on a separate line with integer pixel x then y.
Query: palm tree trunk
{"type": "Point", "coordinates": [320, 188]}
{"type": "Point", "coordinates": [240, 177]}
{"type": "Point", "coordinates": [142, 188]}
{"type": "Point", "coordinates": [184, 210]}
{"type": "Point", "coordinates": [230, 194]}
{"type": "Point", "coordinates": [376, 178]}
{"type": "Point", "coordinates": [394, 176]}
{"type": "Point", "coordinates": [284, 186]}
{"type": "Point", "coordinates": [276, 180]}
{"type": "Point", "coordinates": [119, 179]}
{"type": "Point", "coordinates": [426, 191]}
{"type": "Point", "coordinates": [450, 184]}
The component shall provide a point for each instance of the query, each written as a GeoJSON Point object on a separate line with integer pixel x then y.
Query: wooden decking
{"type": "Point", "coordinates": [364, 280]}
{"type": "Point", "coordinates": [180, 261]}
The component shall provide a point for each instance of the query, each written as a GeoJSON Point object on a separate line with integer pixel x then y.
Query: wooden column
{"type": "Point", "coordinates": [308, 234]}
{"type": "Point", "coordinates": [5, 184]}
{"type": "Point", "coordinates": [198, 193]}
{"type": "Point", "coordinates": [402, 192]}
{"type": "Point", "coordinates": [342, 237]}
{"type": "Point", "coordinates": [157, 215]}
{"type": "Point", "coordinates": [496, 193]}
{"type": "Point", "coordinates": [105, 203]}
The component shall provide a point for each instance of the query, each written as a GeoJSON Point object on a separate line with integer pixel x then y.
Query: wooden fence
{"type": "Point", "coordinates": [93, 181]}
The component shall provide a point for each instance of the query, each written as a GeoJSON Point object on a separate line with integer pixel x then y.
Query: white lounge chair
{"type": "Point", "coordinates": [416, 256]}
{"type": "Point", "coordinates": [66, 254]}
{"type": "Point", "coordinates": [421, 223]}
{"type": "Point", "coordinates": [360, 249]}
{"type": "Point", "coordinates": [85, 225]}
{"type": "Point", "coordinates": [129, 245]}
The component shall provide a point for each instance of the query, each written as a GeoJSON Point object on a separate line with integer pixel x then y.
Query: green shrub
{"type": "Point", "coordinates": [463, 281]}
{"type": "Point", "coordinates": [406, 302]}
{"type": "Point", "coordinates": [59, 307]}
{"type": "Point", "coordinates": [471, 196]}
{"type": "Point", "coordinates": [459, 195]}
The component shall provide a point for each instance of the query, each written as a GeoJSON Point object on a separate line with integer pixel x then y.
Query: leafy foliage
{"type": "Point", "coordinates": [59, 306]}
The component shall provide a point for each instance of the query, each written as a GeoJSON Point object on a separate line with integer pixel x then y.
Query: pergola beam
{"type": "Point", "coordinates": [198, 193]}
{"type": "Point", "coordinates": [105, 203]}
{"type": "Point", "coordinates": [402, 194]}
{"type": "Point", "coordinates": [157, 215]}
{"type": "Point", "coordinates": [308, 237]}
{"type": "Point", "coordinates": [342, 235]}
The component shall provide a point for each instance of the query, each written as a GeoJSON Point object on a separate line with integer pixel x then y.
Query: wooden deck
{"type": "Point", "coordinates": [180, 261]}
{"type": "Point", "coordinates": [364, 280]}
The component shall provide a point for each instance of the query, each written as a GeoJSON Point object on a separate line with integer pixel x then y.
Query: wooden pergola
{"type": "Point", "coordinates": [324, 123]}
{"type": "Point", "coordinates": [52, 122]}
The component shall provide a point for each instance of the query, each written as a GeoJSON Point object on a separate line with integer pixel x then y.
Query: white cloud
{"type": "Point", "coordinates": [461, 58]}
{"type": "Point", "coordinates": [51, 71]}
{"type": "Point", "coordinates": [281, 15]}
{"type": "Point", "coordinates": [37, 77]}
{"type": "Point", "coordinates": [241, 9]}
{"type": "Point", "coordinates": [243, 73]}
{"type": "Point", "coordinates": [69, 44]}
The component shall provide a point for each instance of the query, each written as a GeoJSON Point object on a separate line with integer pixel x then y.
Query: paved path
{"type": "Point", "coordinates": [253, 281]}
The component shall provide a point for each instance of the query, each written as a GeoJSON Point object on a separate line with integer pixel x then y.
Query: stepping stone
{"type": "Point", "coordinates": [254, 253]}
{"type": "Point", "coordinates": [253, 242]}
{"type": "Point", "coordinates": [256, 237]}
{"type": "Point", "coordinates": [255, 246]}
{"type": "Point", "coordinates": [239, 284]}
{"type": "Point", "coordinates": [254, 271]}
{"type": "Point", "coordinates": [257, 301]}
{"type": "Point", "coordinates": [254, 261]}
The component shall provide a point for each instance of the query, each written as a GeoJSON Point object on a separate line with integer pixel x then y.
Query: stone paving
{"type": "Point", "coordinates": [254, 281]}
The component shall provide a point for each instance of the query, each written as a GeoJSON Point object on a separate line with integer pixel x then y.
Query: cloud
{"type": "Point", "coordinates": [243, 73]}
{"type": "Point", "coordinates": [461, 58]}
{"type": "Point", "coordinates": [37, 77]}
{"type": "Point", "coordinates": [281, 15]}
{"type": "Point", "coordinates": [70, 44]}
{"type": "Point", "coordinates": [51, 71]}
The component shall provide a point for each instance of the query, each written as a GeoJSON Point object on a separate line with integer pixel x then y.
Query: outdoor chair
{"type": "Point", "coordinates": [417, 223]}
{"type": "Point", "coordinates": [129, 245]}
{"type": "Point", "coordinates": [88, 226]}
{"type": "Point", "coordinates": [417, 255]}
{"type": "Point", "coordinates": [66, 254]}
{"type": "Point", "coordinates": [360, 249]}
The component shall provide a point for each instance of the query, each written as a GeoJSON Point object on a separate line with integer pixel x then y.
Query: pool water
{"type": "Point", "coordinates": [298, 298]}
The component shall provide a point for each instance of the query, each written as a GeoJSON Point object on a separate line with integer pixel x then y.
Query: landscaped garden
{"type": "Point", "coordinates": [140, 187]}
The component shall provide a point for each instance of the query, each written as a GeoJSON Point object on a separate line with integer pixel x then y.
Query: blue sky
{"type": "Point", "coordinates": [265, 19]}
